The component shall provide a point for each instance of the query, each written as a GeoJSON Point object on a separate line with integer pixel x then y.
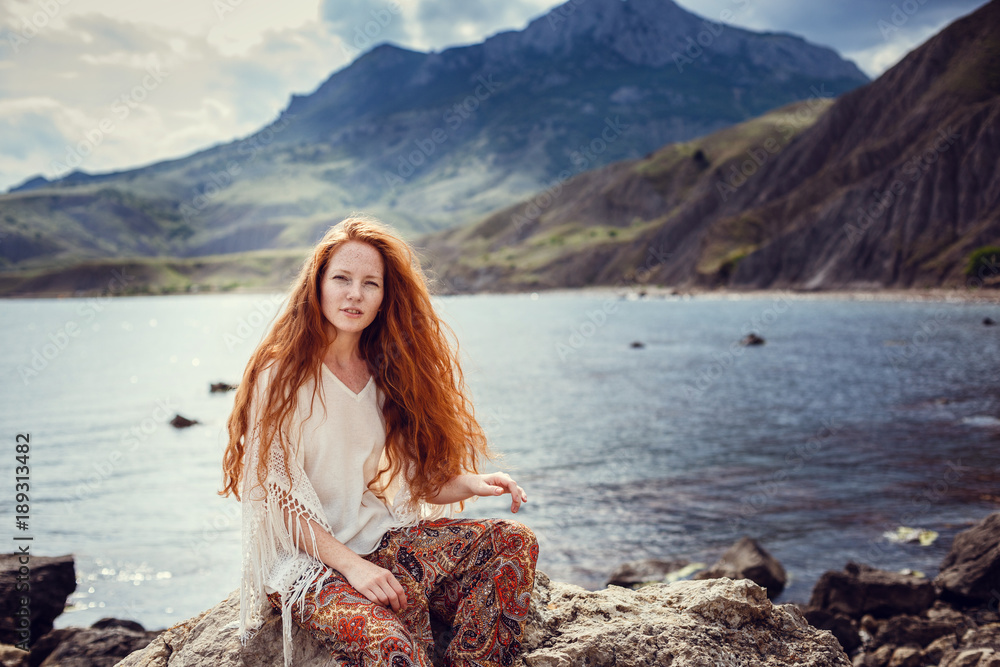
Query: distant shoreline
{"type": "Point", "coordinates": [885, 294]}
{"type": "Point", "coordinates": [943, 295]}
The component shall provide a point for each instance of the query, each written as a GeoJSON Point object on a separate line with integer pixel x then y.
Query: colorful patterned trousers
{"type": "Point", "coordinates": [475, 575]}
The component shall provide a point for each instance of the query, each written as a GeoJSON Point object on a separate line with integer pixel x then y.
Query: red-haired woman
{"type": "Point", "coordinates": [346, 505]}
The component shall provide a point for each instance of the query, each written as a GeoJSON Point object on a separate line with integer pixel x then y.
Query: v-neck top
{"type": "Point", "coordinates": [355, 396]}
{"type": "Point", "coordinates": [340, 448]}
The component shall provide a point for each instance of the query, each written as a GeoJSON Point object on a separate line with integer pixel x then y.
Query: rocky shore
{"type": "Point", "coordinates": [928, 294]}
{"type": "Point", "coordinates": [679, 614]}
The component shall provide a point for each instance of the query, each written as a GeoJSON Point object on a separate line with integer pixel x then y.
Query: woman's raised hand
{"type": "Point", "coordinates": [496, 484]}
{"type": "Point", "coordinates": [376, 583]}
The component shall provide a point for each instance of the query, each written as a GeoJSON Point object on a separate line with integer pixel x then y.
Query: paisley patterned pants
{"type": "Point", "coordinates": [475, 575]}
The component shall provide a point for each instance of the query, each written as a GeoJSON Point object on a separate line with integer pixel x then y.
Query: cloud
{"type": "Point", "coordinates": [427, 25]}
{"type": "Point", "coordinates": [448, 22]}
{"type": "Point", "coordinates": [361, 24]}
{"type": "Point", "coordinates": [98, 93]}
{"type": "Point", "coordinates": [854, 28]}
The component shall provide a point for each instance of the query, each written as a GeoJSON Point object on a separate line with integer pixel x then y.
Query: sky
{"type": "Point", "coordinates": [101, 85]}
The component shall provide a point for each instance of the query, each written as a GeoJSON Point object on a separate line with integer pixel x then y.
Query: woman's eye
{"type": "Point", "coordinates": [372, 283]}
{"type": "Point", "coordinates": [340, 277]}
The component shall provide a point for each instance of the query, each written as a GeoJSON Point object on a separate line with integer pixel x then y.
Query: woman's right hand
{"type": "Point", "coordinates": [376, 583]}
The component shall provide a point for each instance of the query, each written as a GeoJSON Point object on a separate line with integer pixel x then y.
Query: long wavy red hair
{"type": "Point", "coordinates": [431, 427]}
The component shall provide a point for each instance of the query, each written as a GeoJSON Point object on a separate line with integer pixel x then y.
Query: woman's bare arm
{"type": "Point", "coordinates": [464, 486]}
{"type": "Point", "coordinates": [375, 583]}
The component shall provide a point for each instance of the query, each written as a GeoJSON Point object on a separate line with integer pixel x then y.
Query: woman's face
{"type": "Point", "coordinates": [352, 288]}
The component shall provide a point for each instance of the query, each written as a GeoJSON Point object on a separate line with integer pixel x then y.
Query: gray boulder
{"type": "Point", "coordinates": [684, 624]}
{"type": "Point", "coordinates": [746, 559]}
{"type": "Point", "coordinates": [970, 573]}
{"type": "Point", "coordinates": [52, 581]}
{"type": "Point", "coordinates": [862, 589]}
{"type": "Point", "coordinates": [95, 646]}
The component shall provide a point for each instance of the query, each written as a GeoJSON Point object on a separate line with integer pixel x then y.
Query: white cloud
{"type": "Point", "coordinates": [83, 73]}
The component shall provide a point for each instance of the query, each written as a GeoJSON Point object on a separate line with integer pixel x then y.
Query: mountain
{"type": "Point", "coordinates": [895, 184]}
{"type": "Point", "coordinates": [432, 140]}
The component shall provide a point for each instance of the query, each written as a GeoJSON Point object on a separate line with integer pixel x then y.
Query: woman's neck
{"type": "Point", "coordinates": [344, 351]}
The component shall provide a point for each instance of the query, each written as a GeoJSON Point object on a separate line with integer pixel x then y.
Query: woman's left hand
{"type": "Point", "coordinates": [497, 484]}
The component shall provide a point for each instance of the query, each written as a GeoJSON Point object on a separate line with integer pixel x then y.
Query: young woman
{"type": "Point", "coordinates": [346, 504]}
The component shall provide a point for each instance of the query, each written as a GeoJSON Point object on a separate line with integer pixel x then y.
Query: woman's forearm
{"type": "Point", "coordinates": [464, 486]}
{"type": "Point", "coordinates": [331, 551]}
{"type": "Point", "coordinates": [454, 490]}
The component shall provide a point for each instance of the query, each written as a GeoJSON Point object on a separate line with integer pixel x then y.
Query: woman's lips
{"type": "Point", "coordinates": [352, 312]}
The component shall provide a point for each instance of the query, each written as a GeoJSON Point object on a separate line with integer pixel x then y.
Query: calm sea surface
{"type": "Point", "coordinates": [855, 417]}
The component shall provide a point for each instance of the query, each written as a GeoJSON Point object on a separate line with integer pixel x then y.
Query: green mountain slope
{"type": "Point", "coordinates": [430, 140]}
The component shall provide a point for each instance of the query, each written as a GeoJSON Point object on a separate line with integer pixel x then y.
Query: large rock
{"type": "Point", "coordinates": [861, 589]}
{"type": "Point", "coordinates": [913, 631]}
{"type": "Point", "coordinates": [102, 645]}
{"type": "Point", "coordinates": [684, 624]}
{"type": "Point", "coordinates": [844, 628]}
{"type": "Point", "coordinates": [52, 580]}
{"type": "Point", "coordinates": [970, 573]}
{"type": "Point", "coordinates": [746, 559]}
{"type": "Point", "coordinates": [11, 656]}
{"type": "Point", "coordinates": [979, 647]}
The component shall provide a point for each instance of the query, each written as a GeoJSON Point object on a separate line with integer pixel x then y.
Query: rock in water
{"type": "Point", "coordinates": [89, 647]}
{"type": "Point", "coordinates": [970, 573]}
{"type": "Point", "coordinates": [748, 560]}
{"type": "Point", "coordinates": [751, 339]}
{"type": "Point", "coordinates": [180, 421]}
{"type": "Point", "coordinates": [684, 624]}
{"type": "Point", "coordinates": [862, 589]}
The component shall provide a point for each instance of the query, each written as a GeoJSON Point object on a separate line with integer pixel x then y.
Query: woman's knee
{"type": "Point", "coordinates": [515, 532]}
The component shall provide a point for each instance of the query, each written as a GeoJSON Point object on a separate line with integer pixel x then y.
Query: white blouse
{"type": "Point", "coordinates": [339, 448]}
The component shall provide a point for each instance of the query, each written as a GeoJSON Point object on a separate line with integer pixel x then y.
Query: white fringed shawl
{"type": "Point", "coordinates": [270, 552]}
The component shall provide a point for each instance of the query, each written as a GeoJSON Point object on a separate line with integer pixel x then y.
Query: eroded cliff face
{"type": "Point", "coordinates": [896, 184]}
